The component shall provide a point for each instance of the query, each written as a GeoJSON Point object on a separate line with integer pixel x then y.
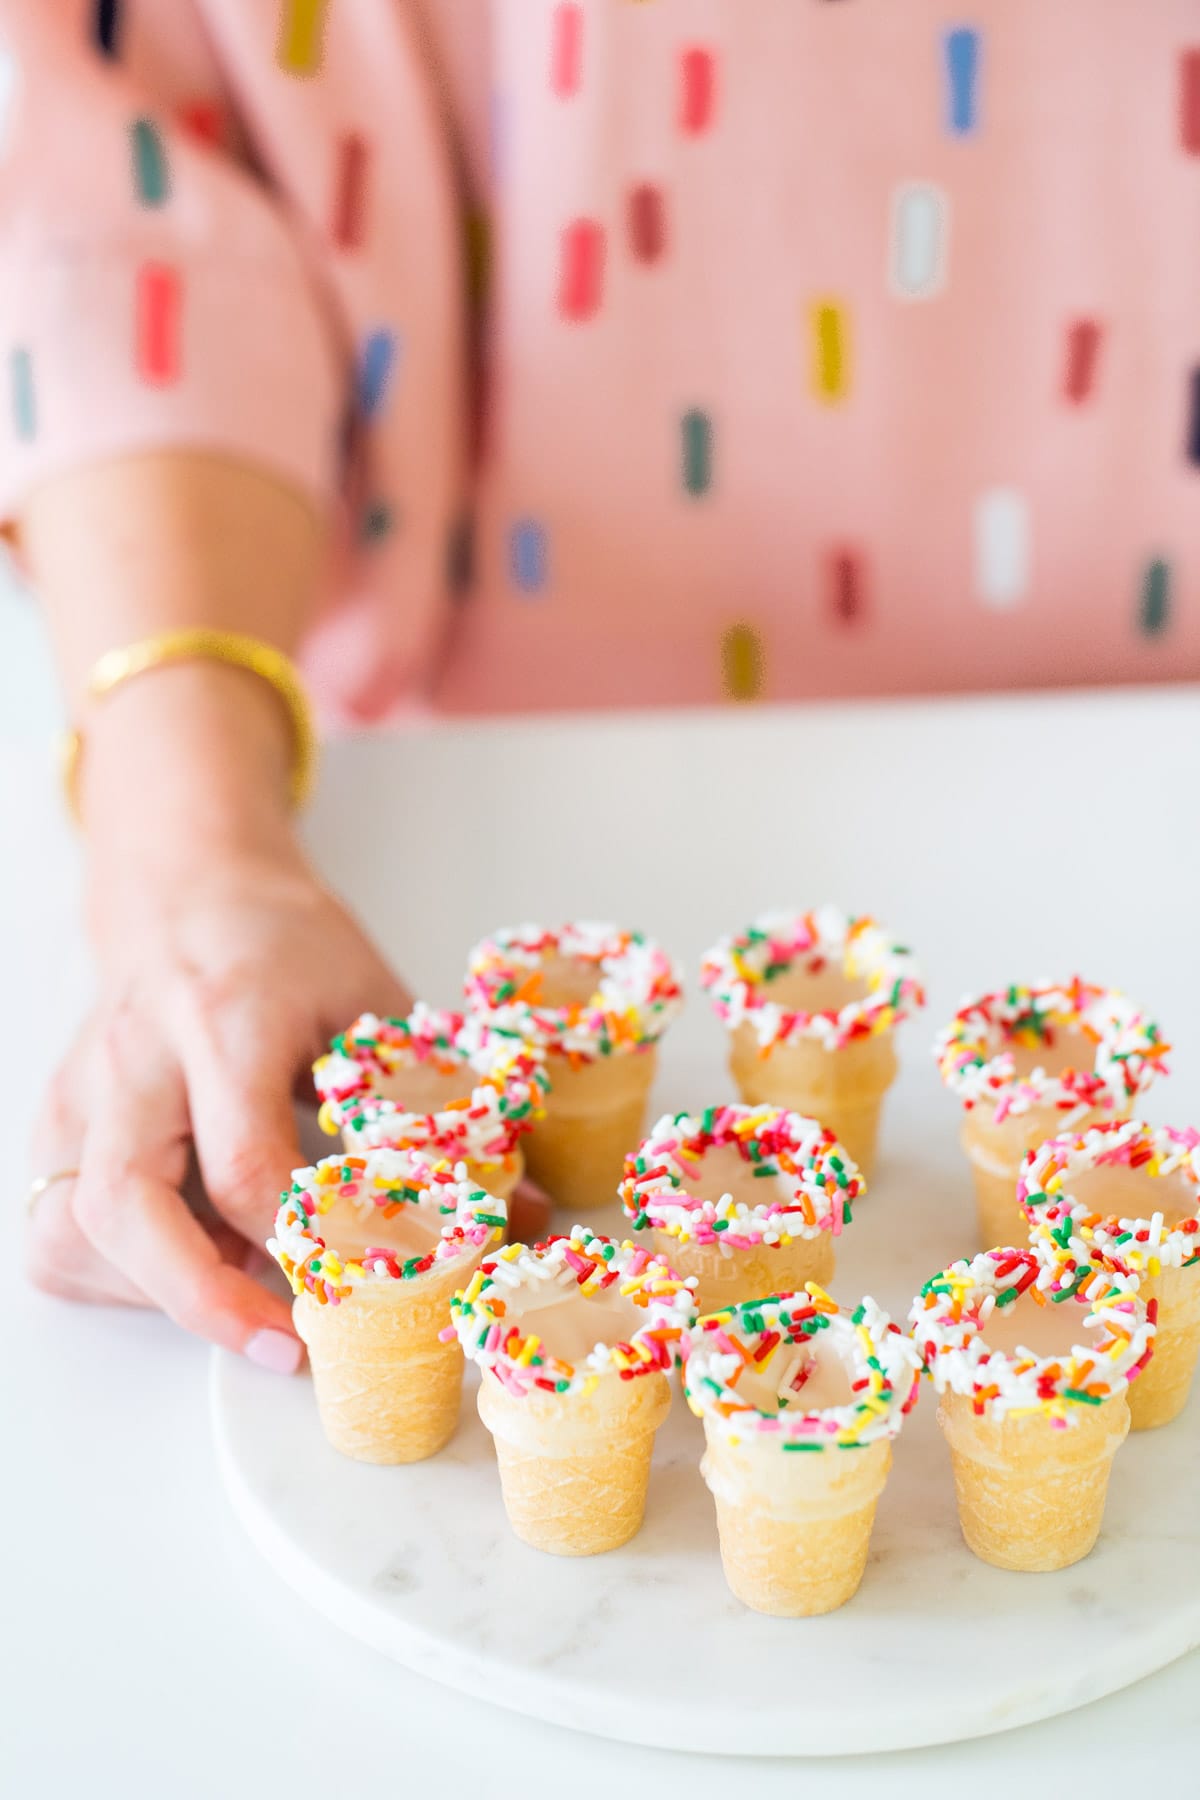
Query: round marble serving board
{"type": "Point", "coordinates": [646, 1643]}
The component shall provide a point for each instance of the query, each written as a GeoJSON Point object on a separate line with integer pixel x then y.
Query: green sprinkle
{"type": "Point", "coordinates": [1084, 1399]}
{"type": "Point", "coordinates": [800, 1444]}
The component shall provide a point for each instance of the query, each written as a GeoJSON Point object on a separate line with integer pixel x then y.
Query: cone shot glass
{"type": "Point", "coordinates": [1126, 1196]}
{"type": "Point", "coordinates": [435, 1082]}
{"type": "Point", "coordinates": [1031, 1062]}
{"type": "Point", "coordinates": [1032, 1368]}
{"type": "Point", "coordinates": [576, 1339]}
{"type": "Point", "coordinates": [594, 1000]}
{"type": "Point", "coordinates": [800, 1402]}
{"type": "Point", "coordinates": [374, 1247]}
{"type": "Point", "coordinates": [811, 1001]}
{"type": "Point", "coordinates": [749, 1200]}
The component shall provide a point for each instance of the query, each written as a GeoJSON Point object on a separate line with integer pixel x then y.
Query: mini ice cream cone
{"type": "Point", "coordinates": [388, 1390]}
{"type": "Point", "coordinates": [1030, 1063]}
{"type": "Point", "coordinates": [438, 1083]}
{"type": "Point", "coordinates": [748, 1200]}
{"type": "Point", "coordinates": [400, 1235]}
{"type": "Point", "coordinates": [595, 1113]}
{"type": "Point", "coordinates": [811, 1001]}
{"type": "Point", "coordinates": [800, 1402]}
{"type": "Point", "coordinates": [1126, 1196]}
{"type": "Point", "coordinates": [575, 1338]}
{"type": "Point", "coordinates": [575, 1475]}
{"type": "Point", "coordinates": [594, 1001]}
{"type": "Point", "coordinates": [1032, 1419]}
{"type": "Point", "coordinates": [1164, 1389]}
{"type": "Point", "coordinates": [1031, 1496]}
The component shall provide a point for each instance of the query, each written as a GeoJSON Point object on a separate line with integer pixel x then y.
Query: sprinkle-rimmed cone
{"type": "Point", "coordinates": [746, 1200]}
{"type": "Point", "coordinates": [387, 1389]}
{"type": "Point", "coordinates": [595, 1114]}
{"type": "Point", "coordinates": [795, 1531]}
{"type": "Point", "coordinates": [437, 1083]}
{"type": "Point", "coordinates": [1162, 1391]}
{"type": "Point", "coordinates": [575, 1338]}
{"type": "Point", "coordinates": [800, 1401]}
{"type": "Point", "coordinates": [1126, 1196]}
{"type": "Point", "coordinates": [593, 1000]}
{"type": "Point", "coordinates": [575, 1469]}
{"type": "Point", "coordinates": [844, 1089]}
{"type": "Point", "coordinates": [996, 1151]}
{"type": "Point", "coordinates": [374, 1248]}
{"type": "Point", "coordinates": [1032, 1415]}
{"type": "Point", "coordinates": [811, 1002]}
{"type": "Point", "coordinates": [1031, 1496]}
{"type": "Point", "coordinates": [724, 1278]}
{"type": "Point", "coordinates": [1029, 1063]}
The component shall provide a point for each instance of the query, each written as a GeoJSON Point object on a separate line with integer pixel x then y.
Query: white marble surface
{"type": "Point", "coordinates": [145, 1647]}
{"type": "Point", "coordinates": [419, 1561]}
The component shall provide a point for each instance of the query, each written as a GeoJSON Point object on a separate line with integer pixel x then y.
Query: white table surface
{"type": "Point", "coordinates": [144, 1650]}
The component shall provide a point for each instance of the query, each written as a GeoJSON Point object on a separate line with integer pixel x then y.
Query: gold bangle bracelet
{"type": "Point", "coordinates": [200, 644]}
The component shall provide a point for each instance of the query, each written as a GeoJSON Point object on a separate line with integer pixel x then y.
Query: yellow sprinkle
{"type": "Point", "coordinates": [301, 35]}
{"type": "Point", "coordinates": [829, 324]}
{"type": "Point", "coordinates": [529, 1350]}
{"type": "Point", "coordinates": [743, 664]}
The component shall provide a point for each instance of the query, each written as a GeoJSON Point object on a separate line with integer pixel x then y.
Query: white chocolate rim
{"type": "Point", "coordinates": [819, 1178]}
{"type": "Point", "coordinates": [976, 1064]}
{"type": "Point", "coordinates": [1144, 1245]}
{"type": "Point", "coordinates": [637, 994]}
{"type": "Point", "coordinates": [949, 1325]}
{"type": "Point", "coordinates": [504, 1084]}
{"type": "Point", "coordinates": [470, 1218]}
{"type": "Point", "coordinates": [875, 1352]}
{"type": "Point", "coordinates": [581, 1264]}
{"type": "Point", "coordinates": [736, 972]}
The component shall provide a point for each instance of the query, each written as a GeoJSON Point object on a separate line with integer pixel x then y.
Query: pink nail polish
{"type": "Point", "coordinates": [275, 1350]}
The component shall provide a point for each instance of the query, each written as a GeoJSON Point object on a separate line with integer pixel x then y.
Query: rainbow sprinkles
{"type": "Point", "coordinates": [486, 1315]}
{"type": "Point", "coordinates": [776, 1334]}
{"type": "Point", "coordinates": [950, 1317]}
{"type": "Point", "coordinates": [1145, 1245]}
{"type": "Point", "coordinates": [739, 972]}
{"type": "Point", "coordinates": [809, 1181]}
{"type": "Point", "coordinates": [382, 1185]}
{"type": "Point", "coordinates": [503, 1085]}
{"type": "Point", "coordinates": [636, 996]}
{"type": "Point", "coordinates": [975, 1051]}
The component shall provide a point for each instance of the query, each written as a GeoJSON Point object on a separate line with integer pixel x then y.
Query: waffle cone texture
{"type": "Point", "coordinates": [575, 1467]}
{"type": "Point", "coordinates": [387, 1389]}
{"type": "Point", "coordinates": [595, 1115]}
{"type": "Point", "coordinates": [727, 1277]}
{"type": "Point", "coordinates": [795, 1527]}
{"type": "Point", "coordinates": [1031, 1496]}
{"type": "Point", "coordinates": [843, 1089]}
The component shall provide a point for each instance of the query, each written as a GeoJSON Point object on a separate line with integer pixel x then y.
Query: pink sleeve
{"type": "Point", "coordinates": [151, 293]}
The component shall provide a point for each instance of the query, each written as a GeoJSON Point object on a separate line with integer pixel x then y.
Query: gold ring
{"type": "Point", "coordinates": [40, 1183]}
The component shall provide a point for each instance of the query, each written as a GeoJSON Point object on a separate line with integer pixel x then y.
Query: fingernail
{"type": "Point", "coordinates": [275, 1350]}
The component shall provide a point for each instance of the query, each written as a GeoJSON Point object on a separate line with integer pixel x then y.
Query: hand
{"type": "Point", "coordinates": [219, 984]}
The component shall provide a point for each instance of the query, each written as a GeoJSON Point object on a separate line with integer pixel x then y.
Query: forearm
{"type": "Point", "coordinates": [192, 756]}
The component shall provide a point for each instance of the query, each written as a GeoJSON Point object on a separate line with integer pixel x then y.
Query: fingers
{"type": "Point", "coordinates": [59, 1257]}
{"type": "Point", "coordinates": [529, 1212]}
{"type": "Point", "coordinates": [239, 1095]}
{"type": "Point", "coordinates": [129, 1207]}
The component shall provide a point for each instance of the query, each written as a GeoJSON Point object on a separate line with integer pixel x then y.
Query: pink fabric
{"type": "Point", "coordinates": [830, 346]}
